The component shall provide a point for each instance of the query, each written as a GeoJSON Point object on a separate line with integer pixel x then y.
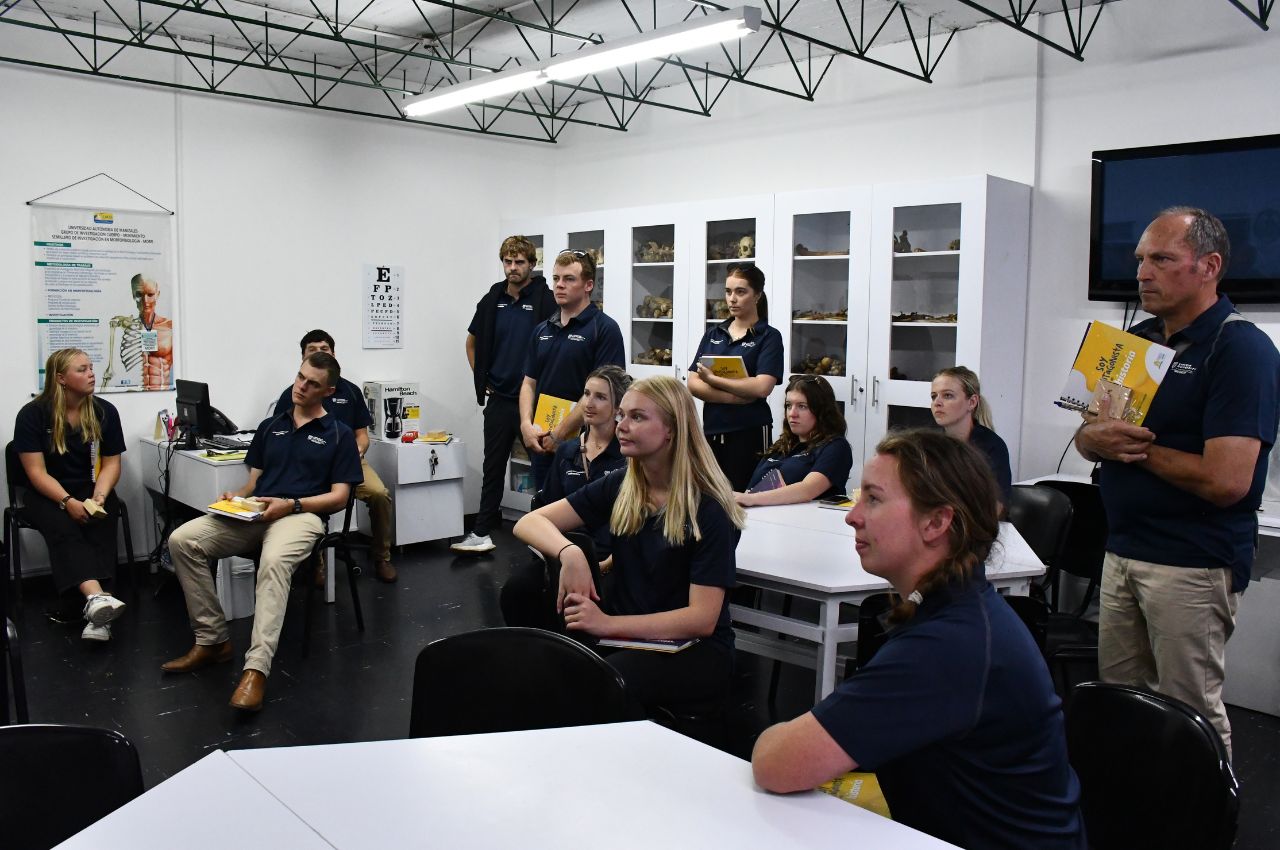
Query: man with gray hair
{"type": "Point", "coordinates": [1182, 491]}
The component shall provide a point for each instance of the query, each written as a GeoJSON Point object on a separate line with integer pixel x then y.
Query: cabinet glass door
{"type": "Point", "coordinates": [653, 305]}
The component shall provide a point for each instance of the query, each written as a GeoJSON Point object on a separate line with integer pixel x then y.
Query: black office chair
{"type": "Point", "coordinates": [1042, 516]}
{"type": "Point", "coordinates": [871, 626]}
{"type": "Point", "coordinates": [1153, 772]}
{"type": "Point", "coordinates": [58, 780]}
{"type": "Point", "coordinates": [1086, 542]}
{"type": "Point", "coordinates": [342, 544]}
{"type": "Point", "coordinates": [10, 660]}
{"type": "Point", "coordinates": [511, 679]}
{"type": "Point", "coordinates": [1069, 645]}
{"type": "Point", "coordinates": [15, 520]}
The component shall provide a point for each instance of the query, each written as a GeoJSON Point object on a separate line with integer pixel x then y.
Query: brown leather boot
{"type": "Point", "coordinates": [385, 572]}
{"type": "Point", "coordinates": [199, 656]}
{"type": "Point", "coordinates": [251, 691]}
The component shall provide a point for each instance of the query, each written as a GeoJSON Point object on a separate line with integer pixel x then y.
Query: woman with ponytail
{"type": "Point", "coordinates": [955, 398]}
{"type": "Point", "coordinates": [673, 526]}
{"type": "Point", "coordinates": [956, 713]}
{"type": "Point", "coordinates": [736, 417]}
{"type": "Point", "coordinates": [69, 443]}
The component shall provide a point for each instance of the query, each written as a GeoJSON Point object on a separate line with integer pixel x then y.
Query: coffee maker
{"type": "Point", "coordinates": [392, 408]}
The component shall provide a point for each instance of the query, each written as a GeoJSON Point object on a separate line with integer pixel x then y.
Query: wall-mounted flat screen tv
{"type": "Point", "coordinates": [1238, 180]}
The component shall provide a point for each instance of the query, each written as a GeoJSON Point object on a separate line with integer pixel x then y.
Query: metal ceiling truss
{"type": "Point", "coordinates": [350, 67]}
{"type": "Point", "coordinates": [1260, 17]}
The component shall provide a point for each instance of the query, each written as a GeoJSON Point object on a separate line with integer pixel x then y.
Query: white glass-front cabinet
{"type": "Point", "coordinates": [948, 286]}
{"type": "Point", "coordinates": [818, 296]}
{"type": "Point", "coordinates": [649, 308]}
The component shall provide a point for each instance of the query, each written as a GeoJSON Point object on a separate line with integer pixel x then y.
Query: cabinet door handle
{"type": "Point", "coordinates": [875, 391]}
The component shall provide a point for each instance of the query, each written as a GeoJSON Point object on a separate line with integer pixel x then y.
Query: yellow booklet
{"type": "Point", "coordinates": [725, 367]}
{"type": "Point", "coordinates": [861, 789]}
{"type": "Point", "coordinates": [1113, 363]}
{"type": "Point", "coordinates": [551, 411]}
{"type": "Point", "coordinates": [238, 508]}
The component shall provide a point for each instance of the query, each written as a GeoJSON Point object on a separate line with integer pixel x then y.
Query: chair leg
{"type": "Point", "coordinates": [14, 658]}
{"type": "Point", "coordinates": [13, 548]}
{"type": "Point", "coordinates": [307, 605]}
{"type": "Point", "coordinates": [128, 551]}
{"type": "Point", "coordinates": [352, 572]}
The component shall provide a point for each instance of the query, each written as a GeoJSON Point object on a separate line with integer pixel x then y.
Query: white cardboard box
{"type": "Point", "coordinates": [385, 399]}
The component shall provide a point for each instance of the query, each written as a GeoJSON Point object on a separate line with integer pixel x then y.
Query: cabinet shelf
{"type": "Point", "coordinates": [731, 260]}
{"type": "Point", "coordinates": [899, 256]}
{"type": "Point", "coordinates": [664, 264]}
{"type": "Point", "coordinates": [643, 319]}
{"type": "Point", "coordinates": [924, 324]}
{"type": "Point", "coordinates": [820, 321]}
{"type": "Point", "coordinates": [806, 258]}
{"type": "Point", "coordinates": [519, 461]}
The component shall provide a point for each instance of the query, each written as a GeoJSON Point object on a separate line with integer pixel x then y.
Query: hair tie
{"type": "Point", "coordinates": [915, 596]}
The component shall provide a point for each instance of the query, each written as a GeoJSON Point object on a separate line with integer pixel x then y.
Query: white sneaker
{"type": "Point", "coordinates": [98, 633]}
{"type": "Point", "coordinates": [102, 608]}
{"type": "Point", "coordinates": [474, 543]}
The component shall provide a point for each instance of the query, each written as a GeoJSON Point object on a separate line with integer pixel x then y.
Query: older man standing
{"type": "Point", "coordinates": [1182, 492]}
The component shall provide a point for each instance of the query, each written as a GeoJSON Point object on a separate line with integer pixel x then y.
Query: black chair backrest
{"type": "Point", "coordinates": [1087, 539]}
{"type": "Point", "coordinates": [1042, 516]}
{"type": "Point", "coordinates": [15, 475]}
{"type": "Point", "coordinates": [871, 631]}
{"type": "Point", "coordinates": [58, 780]}
{"type": "Point", "coordinates": [1153, 771]}
{"type": "Point", "coordinates": [511, 679]}
{"type": "Point", "coordinates": [1034, 614]}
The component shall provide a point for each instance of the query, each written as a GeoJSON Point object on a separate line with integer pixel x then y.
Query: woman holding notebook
{"type": "Point", "coordinates": [673, 527]}
{"type": "Point", "coordinates": [69, 443]}
{"type": "Point", "coordinates": [812, 459]}
{"type": "Point", "coordinates": [736, 419]}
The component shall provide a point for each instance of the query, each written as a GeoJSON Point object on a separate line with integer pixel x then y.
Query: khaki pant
{"type": "Point", "coordinates": [282, 545]}
{"type": "Point", "coordinates": [376, 496]}
{"type": "Point", "coordinates": [1166, 628]}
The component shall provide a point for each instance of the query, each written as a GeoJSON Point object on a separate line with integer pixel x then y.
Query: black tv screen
{"type": "Point", "coordinates": [1238, 180]}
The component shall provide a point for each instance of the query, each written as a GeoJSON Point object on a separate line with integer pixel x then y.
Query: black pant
{"type": "Point", "coordinates": [693, 678]}
{"type": "Point", "coordinates": [77, 553]}
{"type": "Point", "coordinates": [739, 452]}
{"type": "Point", "coordinates": [501, 429]}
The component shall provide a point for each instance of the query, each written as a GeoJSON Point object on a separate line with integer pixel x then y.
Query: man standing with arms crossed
{"type": "Point", "coordinates": [347, 403]}
{"type": "Point", "coordinates": [564, 350]}
{"type": "Point", "coordinates": [1182, 493]}
{"type": "Point", "coordinates": [497, 343]}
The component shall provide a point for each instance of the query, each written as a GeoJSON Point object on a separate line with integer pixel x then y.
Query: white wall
{"type": "Point", "coordinates": [277, 210]}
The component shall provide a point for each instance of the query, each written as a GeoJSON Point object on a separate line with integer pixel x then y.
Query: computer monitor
{"type": "Point", "coordinates": [195, 413]}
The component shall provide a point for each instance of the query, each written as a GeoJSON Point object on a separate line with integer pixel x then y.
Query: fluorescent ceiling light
{"type": "Point", "coordinates": [498, 85]}
{"type": "Point", "coordinates": [691, 34]}
{"type": "Point", "coordinates": [694, 33]}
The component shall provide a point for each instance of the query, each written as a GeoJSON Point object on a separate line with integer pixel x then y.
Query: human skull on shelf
{"type": "Point", "coordinates": [746, 247]}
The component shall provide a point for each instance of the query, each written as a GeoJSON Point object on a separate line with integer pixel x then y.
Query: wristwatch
{"type": "Point", "coordinates": [63, 504]}
{"type": "Point", "coordinates": [297, 506]}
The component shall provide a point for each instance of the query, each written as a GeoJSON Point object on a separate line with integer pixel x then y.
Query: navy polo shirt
{"type": "Point", "coordinates": [761, 352]}
{"type": "Point", "coordinates": [513, 324]}
{"type": "Point", "coordinates": [569, 475]}
{"type": "Point", "coordinates": [992, 447]}
{"type": "Point", "coordinates": [957, 717]}
{"type": "Point", "coordinates": [1235, 395]}
{"type": "Point", "coordinates": [347, 404]}
{"type": "Point", "coordinates": [561, 356]}
{"type": "Point", "coordinates": [834, 459]}
{"type": "Point", "coordinates": [650, 574]}
{"type": "Point", "coordinates": [33, 432]}
{"type": "Point", "coordinates": [306, 461]}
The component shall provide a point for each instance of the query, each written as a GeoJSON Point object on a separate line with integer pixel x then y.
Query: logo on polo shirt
{"type": "Point", "coordinates": [577, 338]}
{"type": "Point", "coordinates": [748, 345]}
{"type": "Point", "coordinates": [574, 472]}
{"type": "Point", "coordinates": [319, 442]}
{"type": "Point", "coordinates": [340, 400]}
{"type": "Point", "coordinates": [546, 337]}
{"type": "Point", "coordinates": [528, 307]}
{"type": "Point", "coordinates": [279, 433]}
{"type": "Point", "coordinates": [1181, 368]}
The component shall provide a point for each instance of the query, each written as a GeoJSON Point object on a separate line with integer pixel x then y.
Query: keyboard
{"type": "Point", "coordinates": [223, 441]}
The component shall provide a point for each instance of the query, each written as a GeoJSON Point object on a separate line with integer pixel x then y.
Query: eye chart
{"type": "Point", "coordinates": [382, 289]}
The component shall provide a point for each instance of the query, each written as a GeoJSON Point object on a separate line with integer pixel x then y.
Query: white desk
{"type": "Point", "coordinates": [197, 482]}
{"type": "Point", "coordinates": [212, 805]}
{"type": "Point", "coordinates": [620, 786]}
{"type": "Point", "coordinates": [807, 551]}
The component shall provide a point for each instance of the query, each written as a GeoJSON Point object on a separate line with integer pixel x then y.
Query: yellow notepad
{"type": "Point", "coordinates": [1128, 368]}
{"type": "Point", "coordinates": [238, 508]}
{"type": "Point", "coordinates": [551, 411]}
{"type": "Point", "coordinates": [725, 367]}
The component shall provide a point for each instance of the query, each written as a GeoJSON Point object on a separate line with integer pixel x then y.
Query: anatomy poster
{"type": "Point", "coordinates": [382, 288]}
{"type": "Point", "coordinates": [104, 283]}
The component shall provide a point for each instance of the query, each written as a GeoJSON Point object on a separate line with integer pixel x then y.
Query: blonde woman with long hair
{"type": "Point", "coordinates": [955, 399]}
{"type": "Point", "coordinates": [69, 443]}
{"type": "Point", "coordinates": [674, 527]}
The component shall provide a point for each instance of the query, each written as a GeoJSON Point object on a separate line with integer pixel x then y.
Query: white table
{"type": "Point", "coordinates": [808, 551]}
{"type": "Point", "coordinates": [212, 805]}
{"type": "Point", "coordinates": [620, 786]}
{"type": "Point", "coordinates": [197, 482]}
